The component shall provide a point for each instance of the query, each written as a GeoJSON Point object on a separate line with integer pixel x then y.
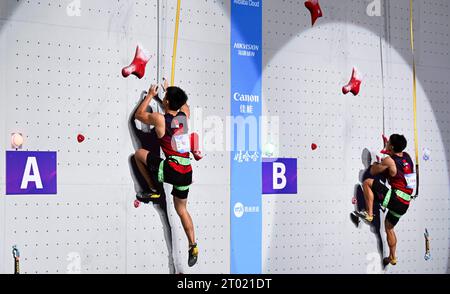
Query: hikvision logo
{"type": "Point", "coordinates": [248, 50]}
{"type": "Point", "coordinates": [240, 209]}
{"type": "Point", "coordinates": [244, 46]}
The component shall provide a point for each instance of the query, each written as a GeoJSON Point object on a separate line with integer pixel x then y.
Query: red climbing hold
{"type": "Point", "coordinates": [80, 138]}
{"type": "Point", "coordinates": [137, 203]}
{"type": "Point", "coordinates": [315, 10]}
{"type": "Point", "coordinates": [378, 159]}
{"type": "Point", "coordinates": [137, 67]}
{"type": "Point", "coordinates": [354, 84]}
{"type": "Point", "coordinates": [314, 146]}
{"type": "Point", "coordinates": [195, 147]}
{"type": "Point", "coordinates": [354, 201]}
{"type": "Point", "coordinates": [385, 141]}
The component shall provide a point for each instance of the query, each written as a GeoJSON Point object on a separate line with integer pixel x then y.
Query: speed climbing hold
{"type": "Point", "coordinates": [269, 150]}
{"type": "Point", "coordinates": [80, 138]}
{"type": "Point", "coordinates": [16, 140]}
{"type": "Point", "coordinates": [385, 141]}
{"type": "Point", "coordinates": [354, 84]}
{"type": "Point", "coordinates": [195, 142]}
{"type": "Point", "coordinates": [137, 67]}
{"type": "Point", "coordinates": [315, 10]}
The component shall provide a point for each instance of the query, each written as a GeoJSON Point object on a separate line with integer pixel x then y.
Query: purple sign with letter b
{"type": "Point", "coordinates": [30, 173]}
{"type": "Point", "coordinates": [279, 176]}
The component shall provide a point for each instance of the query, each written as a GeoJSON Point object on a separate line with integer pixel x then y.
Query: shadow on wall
{"type": "Point", "coordinates": [149, 141]}
{"type": "Point", "coordinates": [6, 11]}
{"type": "Point", "coordinates": [375, 226]}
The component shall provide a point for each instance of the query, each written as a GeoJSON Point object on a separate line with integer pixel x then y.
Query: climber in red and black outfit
{"type": "Point", "coordinates": [398, 168]}
{"type": "Point", "coordinates": [172, 132]}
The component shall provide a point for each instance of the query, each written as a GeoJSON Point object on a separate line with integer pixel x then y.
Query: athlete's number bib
{"type": "Point", "coordinates": [411, 181]}
{"type": "Point", "coordinates": [182, 143]}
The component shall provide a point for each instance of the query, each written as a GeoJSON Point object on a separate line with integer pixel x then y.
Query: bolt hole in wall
{"type": "Point", "coordinates": [62, 91]}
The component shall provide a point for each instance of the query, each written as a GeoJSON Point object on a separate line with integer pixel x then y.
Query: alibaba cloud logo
{"type": "Point", "coordinates": [238, 210]}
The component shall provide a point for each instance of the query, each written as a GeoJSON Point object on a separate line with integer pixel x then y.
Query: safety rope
{"type": "Point", "coordinates": [382, 82]}
{"type": "Point", "coordinates": [158, 45]}
{"type": "Point", "coordinates": [416, 136]}
{"type": "Point", "coordinates": [175, 43]}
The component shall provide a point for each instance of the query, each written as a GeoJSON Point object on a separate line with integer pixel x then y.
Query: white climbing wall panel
{"type": "Point", "coordinates": [203, 69]}
{"type": "Point", "coordinates": [61, 76]}
{"type": "Point", "coordinates": [3, 146]}
{"type": "Point", "coordinates": [305, 68]}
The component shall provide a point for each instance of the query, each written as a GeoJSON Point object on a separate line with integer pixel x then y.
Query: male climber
{"type": "Point", "coordinates": [171, 130]}
{"type": "Point", "coordinates": [398, 168]}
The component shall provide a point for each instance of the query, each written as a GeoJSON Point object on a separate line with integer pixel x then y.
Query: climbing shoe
{"type": "Point", "coordinates": [388, 260]}
{"type": "Point", "coordinates": [365, 216]}
{"type": "Point", "coordinates": [193, 255]}
{"type": "Point", "coordinates": [148, 196]}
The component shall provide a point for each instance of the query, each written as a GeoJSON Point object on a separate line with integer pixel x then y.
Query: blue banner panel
{"type": "Point", "coordinates": [30, 173]}
{"type": "Point", "coordinates": [246, 109]}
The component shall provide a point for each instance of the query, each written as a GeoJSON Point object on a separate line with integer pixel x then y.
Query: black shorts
{"type": "Point", "coordinates": [179, 181]}
{"type": "Point", "coordinates": [397, 208]}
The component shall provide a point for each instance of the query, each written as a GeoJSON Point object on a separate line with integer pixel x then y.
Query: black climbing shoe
{"type": "Point", "coordinates": [148, 196]}
{"type": "Point", "coordinates": [193, 255]}
{"type": "Point", "coordinates": [388, 261]}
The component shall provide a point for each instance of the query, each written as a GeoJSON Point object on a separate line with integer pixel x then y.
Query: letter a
{"type": "Point", "coordinates": [28, 177]}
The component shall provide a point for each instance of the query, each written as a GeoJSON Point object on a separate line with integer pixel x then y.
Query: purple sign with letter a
{"type": "Point", "coordinates": [30, 173]}
{"type": "Point", "coordinates": [279, 176]}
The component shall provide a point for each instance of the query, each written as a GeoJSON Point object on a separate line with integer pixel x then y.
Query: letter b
{"type": "Point", "coordinates": [279, 173]}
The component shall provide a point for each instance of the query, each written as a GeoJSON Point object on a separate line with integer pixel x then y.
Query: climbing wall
{"type": "Point", "coordinates": [434, 69]}
{"type": "Point", "coordinates": [203, 69]}
{"type": "Point", "coordinates": [60, 76]}
{"type": "Point", "coordinates": [305, 69]}
{"type": "Point", "coordinates": [3, 146]}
